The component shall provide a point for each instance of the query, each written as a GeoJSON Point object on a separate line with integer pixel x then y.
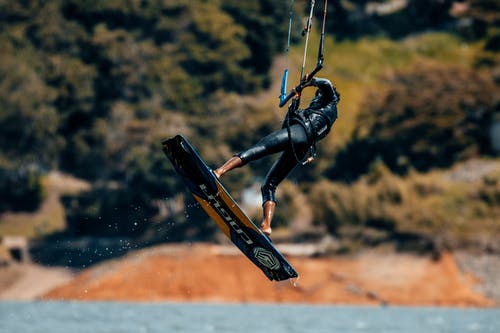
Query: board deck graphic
{"type": "Point", "coordinates": [224, 211]}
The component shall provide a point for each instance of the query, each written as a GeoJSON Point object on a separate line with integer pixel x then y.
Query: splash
{"type": "Point", "coordinates": [295, 281]}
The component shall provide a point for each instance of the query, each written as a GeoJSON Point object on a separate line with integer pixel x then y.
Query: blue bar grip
{"type": "Point", "coordinates": [284, 81]}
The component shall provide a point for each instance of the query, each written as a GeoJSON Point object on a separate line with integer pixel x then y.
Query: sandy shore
{"type": "Point", "coordinates": [213, 273]}
{"type": "Point", "coordinates": [24, 282]}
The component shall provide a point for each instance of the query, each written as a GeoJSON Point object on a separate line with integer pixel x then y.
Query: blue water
{"type": "Point", "coordinates": [74, 317]}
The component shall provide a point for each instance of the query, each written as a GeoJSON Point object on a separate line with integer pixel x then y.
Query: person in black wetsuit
{"type": "Point", "coordinates": [301, 130]}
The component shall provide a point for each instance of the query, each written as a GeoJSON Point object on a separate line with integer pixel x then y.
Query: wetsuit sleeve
{"type": "Point", "coordinates": [326, 88]}
{"type": "Point", "coordinates": [325, 104]}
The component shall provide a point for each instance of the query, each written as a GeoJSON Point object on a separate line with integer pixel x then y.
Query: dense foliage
{"type": "Point", "coordinates": [83, 82]}
{"type": "Point", "coordinates": [353, 19]}
{"type": "Point", "coordinates": [91, 87]}
{"type": "Point", "coordinates": [429, 116]}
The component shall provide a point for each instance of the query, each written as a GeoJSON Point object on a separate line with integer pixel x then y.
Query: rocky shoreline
{"type": "Point", "coordinates": [486, 268]}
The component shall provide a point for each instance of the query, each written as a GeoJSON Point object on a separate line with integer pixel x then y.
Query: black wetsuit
{"type": "Point", "coordinates": [301, 131]}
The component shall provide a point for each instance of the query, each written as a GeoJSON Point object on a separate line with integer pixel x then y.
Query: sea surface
{"type": "Point", "coordinates": [102, 317]}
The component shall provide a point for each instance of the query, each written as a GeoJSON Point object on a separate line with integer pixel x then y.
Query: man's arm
{"type": "Point", "coordinates": [325, 87]}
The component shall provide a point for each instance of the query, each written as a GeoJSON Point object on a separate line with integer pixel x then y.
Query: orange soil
{"type": "Point", "coordinates": [204, 273]}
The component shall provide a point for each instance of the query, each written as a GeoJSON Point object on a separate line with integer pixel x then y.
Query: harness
{"type": "Point", "coordinates": [305, 121]}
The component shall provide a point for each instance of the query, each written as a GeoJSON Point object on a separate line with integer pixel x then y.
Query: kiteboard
{"type": "Point", "coordinates": [224, 211]}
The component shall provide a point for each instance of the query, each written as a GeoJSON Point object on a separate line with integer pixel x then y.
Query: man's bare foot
{"type": "Point", "coordinates": [265, 226]}
{"type": "Point", "coordinates": [266, 229]}
{"type": "Point", "coordinates": [232, 163]}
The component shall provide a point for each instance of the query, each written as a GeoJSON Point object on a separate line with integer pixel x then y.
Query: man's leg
{"type": "Point", "coordinates": [272, 143]}
{"type": "Point", "coordinates": [282, 168]}
{"type": "Point", "coordinates": [268, 208]}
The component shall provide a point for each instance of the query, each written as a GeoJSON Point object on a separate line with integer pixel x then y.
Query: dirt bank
{"type": "Point", "coordinates": [214, 273]}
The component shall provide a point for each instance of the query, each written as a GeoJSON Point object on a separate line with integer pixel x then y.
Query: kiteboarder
{"type": "Point", "coordinates": [301, 130]}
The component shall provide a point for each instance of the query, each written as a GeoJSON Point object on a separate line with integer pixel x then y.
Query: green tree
{"type": "Point", "coordinates": [28, 118]}
{"type": "Point", "coordinates": [213, 49]}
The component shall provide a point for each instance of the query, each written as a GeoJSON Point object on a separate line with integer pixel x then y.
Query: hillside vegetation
{"type": "Point", "coordinates": [90, 88]}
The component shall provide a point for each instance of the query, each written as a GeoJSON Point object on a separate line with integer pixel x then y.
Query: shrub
{"type": "Point", "coordinates": [20, 189]}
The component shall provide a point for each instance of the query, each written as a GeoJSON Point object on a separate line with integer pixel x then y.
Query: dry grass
{"type": "Point", "coordinates": [433, 205]}
{"type": "Point", "coordinates": [50, 217]}
{"type": "Point", "coordinates": [356, 66]}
